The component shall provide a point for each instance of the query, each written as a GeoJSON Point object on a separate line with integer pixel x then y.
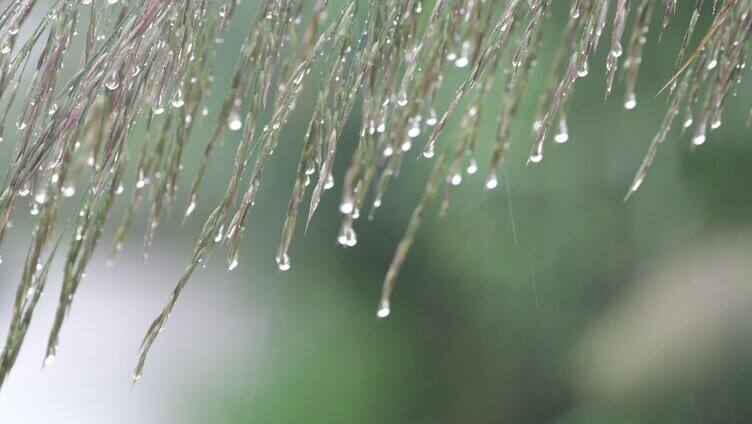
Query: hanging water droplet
{"type": "Point", "coordinates": [492, 182]}
{"type": "Point", "coordinates": [158, 108]}
{"type": "Point", "coordinates": [402, 101]}
{"type": "Point", "coordinates": [68, 191]}
{"type": "Point", "coordinates": [24, 191]}
{"type": "Point", "coordinates": [432, 120]}
{"type": "Point", "coordinates": [563, 135]}
{"type": "Point", "coordinates": [283, 262]}
{"type": "Point", "coordinates": [584, 70]}
{"type": "Point", "coordinates": [190, 208]}
{"type": "Point", "coordinates": [414, 130]}
{"type": "Point", "coordinates": [346, 207]}
{"type": "Point", "coordinates": [329, 182]}
{"type": "Point", "coordinates": [177, 98]}
{"type": "Point", "coordinates": [637, 183]}
{"type": "Point", "coordinates": [456, 179]}
{"type": "Point", "coordinates": [233, 121]}
{"type": "Point", "coordinates": [429, 151]}
{"type": "Point", "coordinates": [49, 359]}
{"type": "Point", "coordinates": [472, 167]}
{"type": "Point", "coordinates": [384, 309]}
{"type": "Point", "coordinates": [715, 124]}
{"type": "Point", "coordinates": [617, 50]}
{"type": "Point", "coordinates": [222, 10]}
{"type": "Point", "coordinates": [347, 237]}
{"type": "Point", "coordinates": [112, 82]}
{"type": "Point", "coordinates": [631, 102]}
{"type": "Point", "coordinates": [699, 139]}
{"type": "Point", "coordinates": [233, 264]}
{"type": "Point", "coordinates": [537, 154]}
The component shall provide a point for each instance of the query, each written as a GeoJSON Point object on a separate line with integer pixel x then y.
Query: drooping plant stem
{"type": "Point", "coordinates": [149, 64]}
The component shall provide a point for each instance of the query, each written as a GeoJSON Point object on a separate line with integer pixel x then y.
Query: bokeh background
{"type": "Point", "coordinates": [546, 300]}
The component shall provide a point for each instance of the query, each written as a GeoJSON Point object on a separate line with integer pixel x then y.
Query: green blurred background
{"type": "Point", "coordinates": [591, 316]}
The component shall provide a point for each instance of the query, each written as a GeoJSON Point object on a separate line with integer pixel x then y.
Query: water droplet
{"type": "Point", "coordinates": [234, 121]}
{"type": "Point", "coordinates": [472, 167]}
{"type": "Point", "coordinates": [329, 182]}
{"type": "Point", "coordinates": [283, 262]}
{"type": "Point", "coordinates": [456, 179]}
{"type": "Point", "coordinates": [346, 207]}
{"type": "Point", "coordinates": [563, 135]}
{"type": "Point", "coordinates": [384, 309]}
{"type": "Point", "coordinates": [233, 264]}
{"type": "Point", "coordinates": [190, 208]}
{"type": "Point", "coordinates": [177, 98]}
{"type": "Point", "coordinates": [617, 50]}
{"type": "Point", "coordinates": [414, 131]}
{"type": "Point", "coordinates": [492, 182]}
{"type": "Point", "coordinates": [699, 140]}
{"type": "Point", "coordinates": [537, 154]}
{"type": "Point", "coordinates": [347, 237]}
{"type": "Point", "coordinates": [402, 101]}
{"type": "Point", "coordinates": [631, 102]}
{"type": "Point", "coordinates": [49, 359]}
{"type": "Point", "coordinates": [432, 120]}
{"type": "Point", "coordinates": [68, 191]}
{"type": "Point", "coordinates": [584, 69]}
{"type": "Point", "coordinates": [112, 82]}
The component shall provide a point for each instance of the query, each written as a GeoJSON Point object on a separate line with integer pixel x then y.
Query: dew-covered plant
{"type": "Point", "coordinates": [146, 66]}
